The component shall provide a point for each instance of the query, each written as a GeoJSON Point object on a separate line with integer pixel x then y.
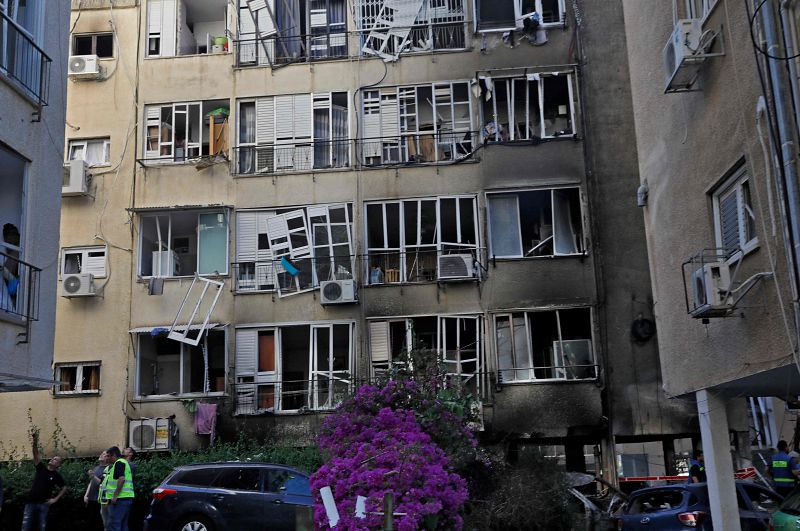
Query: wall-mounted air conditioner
{"type": "Point", "coordinates": [84, 67]}
{"type": "Point", "coordinates": [456, 266]}
{"type": "Point", "coordinates": [166, 264]}
{"type": "Point", "coordinates": [711, 284]}
{"type": "Point", "coordinates": [78, 285]}
{"type": "Point", "coordinates": [682, 55]}
{"type": "Point", "coordinates": [77, 178]}
{"type": "Point", "coordinates": [150, 434]}
{"type": "Point", "coordinates": [338, 292]}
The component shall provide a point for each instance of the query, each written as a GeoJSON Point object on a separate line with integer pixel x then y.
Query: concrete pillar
{"type": "Point", "coordinates": [719, 467]}
{"type": "Point", "coordinates": [668, 447]}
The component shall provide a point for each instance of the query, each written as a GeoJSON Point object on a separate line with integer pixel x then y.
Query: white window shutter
{"type": "Point", "coordinates": [246, 352]}
{"type": "Point", "coordinates": [246, 236]}
{"type": "Point", "coordinates": [390, 122]}
{"type": "Point", "coordinates": [284, 117]}
{"type": "Point", "coordinates": [169, 19]}
{"type": "Point", "coordinates": [278, 234]}
{"type": "Point", "coordinates": [95, 262]}
{"type": "Point", "coordinates": [379, 341]}
{"type": "Point", "coordinates": [303, 116]}
{"type": "Point", "coordinates": [154, 16]}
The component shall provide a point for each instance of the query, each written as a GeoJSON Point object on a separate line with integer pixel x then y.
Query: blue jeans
{"type": "Point", "coordinates": [35, 511]}
{"type": "Point", "coordinates": [118, 515]}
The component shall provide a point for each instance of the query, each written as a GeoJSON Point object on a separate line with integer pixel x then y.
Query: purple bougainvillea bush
{"type": "Point", "coordinates": [373, 449]}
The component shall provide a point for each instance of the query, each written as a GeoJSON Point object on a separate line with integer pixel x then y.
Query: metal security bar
{"type": "Point", "coordinates": [19, 290]}
{"type": "Point", "coordinates": [22, 61]}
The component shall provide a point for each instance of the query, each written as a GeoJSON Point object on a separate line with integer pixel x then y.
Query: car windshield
{"type": "Point", "coordinates": [653, 502]}
{"type": "Point", "coordinates": [791, 505]}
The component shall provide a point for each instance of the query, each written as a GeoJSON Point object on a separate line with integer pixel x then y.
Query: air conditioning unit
{"type": "Point", "coordinates": [84, 67]}
{"type": "Point", "coordinates": [682, 55]}
{"type": "Point", "coordinates": [711, 291]}
{"type": "Point", "coordinates": [77, 178]}
{"type": "Point", "coordinates": [166, 264]}
{"type": "Point", "coordinates": [456, 266]}
{"type": "Point", "coordinates": [338, 292]}
{"type": "Point", "coordinates": [150, 434]}
{"type": "Point", "coordinates": [79, 285]}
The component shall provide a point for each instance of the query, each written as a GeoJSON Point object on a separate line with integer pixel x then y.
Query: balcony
{"type": "Point", "coordinates": [19, 288]}
{"type": "Point", "coordinates": [291, 157]}
{"type": "Point", "coordinates": [417, 148]}
{"type": "Point", "coordinates": [276, 51]}
{"type": "Point", "coordinates": [23, 62]}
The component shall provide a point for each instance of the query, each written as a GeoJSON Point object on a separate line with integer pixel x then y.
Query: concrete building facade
{"type": "Point", "coordinates": [32, 96]}
{"type": "Point", "coordinates": [284, 198]}
{"type": "Point", "coordinates": [716, 143]}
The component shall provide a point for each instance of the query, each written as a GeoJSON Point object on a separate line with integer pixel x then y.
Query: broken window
{"type": "Point", "coordinates": [182, 243]}
{"type": "Point", "coordinates": [734, 217]}
{"type": "Point", "coordinates": [457, 339]}
{"type": "Point", "coordinates": [99, 44]}
{"type": "Point", "coordinates": [524, 108]}
{"type": "Point", "coordinates": [297, 132]}
{"type": "Point", "coordinates": [508, 15]}
{"type": "Point", "coordinates": [275, 32]}
{"type": "Point", "coordinates": [13, 210]}
{"type": "Point", "coordinates": [542, 345]}
{"type": "Point", "coordinates": [178, 132]}
{"type": "Point", "coordinates": [390, 28]}
{"type": "Point", "coordinates": [168, 367]}
{"type": "Point", "coordinates": [77, 378]}
{"type": "Point", "coordinates": [424, 123]}
{"type": "Point", "coordinates": [77, 260]}
{"type": "Point", "coordinates": [418, 240]}
{"type": "Point", "coordinates": [535, 223]}
{"type": "Point", "coordinates": [186, 27]}
{"type": "Point", "coordinates": [95, 151]}
{"type": "Point", "coordinates": [287, 368]}
{"type": "Point", "coordinates": [254, 268]}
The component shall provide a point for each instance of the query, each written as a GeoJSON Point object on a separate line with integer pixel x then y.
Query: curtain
{"type": "Point", "coordinates": [95, 153]}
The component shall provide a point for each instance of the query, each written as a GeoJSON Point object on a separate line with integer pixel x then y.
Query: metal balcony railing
{"type": "Point", "coordinates": [23, 61]}
{"type": "Point", "coordinates": [19, 286]}
{"type": "Point", "coordinates": [292, 276]}
{"type": "Point", "coordinates": [336, 43]}
{"type": "Point", "coordinates": [296, 156]}
{"type": "Point", "coordinates": [416, 148]}
{"type": "Point", "coordinates": [571, 372]}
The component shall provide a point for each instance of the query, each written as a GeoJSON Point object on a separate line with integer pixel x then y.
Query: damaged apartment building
{"type": "Point", "coordinates": [277, 198]}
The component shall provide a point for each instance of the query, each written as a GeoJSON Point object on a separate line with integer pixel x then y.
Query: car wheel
{"type": "Point", "coordinates": [194, 523]}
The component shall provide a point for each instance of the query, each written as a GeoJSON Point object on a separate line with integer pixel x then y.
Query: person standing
{"type": "Point", "coordinates": [784, 470]}
{"type": "Point", "coordinates": [130, 454]}
{"type": "Point", "coordinates": [118, 491]}
{"type": "Point", "coordinates": [697, 468]}
{"type": "Point", "coordinates": [40, 497]}
{"type": "Point", "coordinates": [91, 497]}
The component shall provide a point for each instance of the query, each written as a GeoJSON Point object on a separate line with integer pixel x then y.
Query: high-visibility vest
{"type": "Point", "coordinates": [101, 494]}
{"type": "Point", "coordinates": [127, 482]}
{"type": "Point", "coordinates": [782, 469]}
{"type": "Point", "coordinates": [699, 465]}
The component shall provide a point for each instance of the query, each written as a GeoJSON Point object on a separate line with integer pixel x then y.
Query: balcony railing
{"type": "Point", "coordinates": [19, 287]}
{"type": "Point", "coordinates": [297, 156]}
{"type": "Point", "coordinates": [23, 61]}
{"type": "Point", "coordinates": [419, 264]}
{"type": "Point", "coordinates": [335, 43]}
{"type": "Point", "coordinates": [312, 155]}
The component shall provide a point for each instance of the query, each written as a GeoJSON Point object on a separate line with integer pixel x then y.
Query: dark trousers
{"type": "Point", "coordinates": [35, 512]}
{"type": "Point", "coordinates": [93, 519]}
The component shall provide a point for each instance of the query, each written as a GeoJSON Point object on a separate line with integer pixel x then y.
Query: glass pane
{"type": "Point", "coordinates": [505, 355]}
{"type": "Point", "coordinates": [504, 225]}
{"type": "Point", "coordinates": [239, 479]}
{"type": "Point", "coordinates": [213, 244]}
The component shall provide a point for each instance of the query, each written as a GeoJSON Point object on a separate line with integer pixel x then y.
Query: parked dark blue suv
{"type": "Point", "coordinates": [678, 507]}
{"type": "Point", "coordinates": [231, 497]}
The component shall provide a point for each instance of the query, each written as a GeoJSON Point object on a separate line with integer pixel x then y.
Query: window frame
{"type": "Point", "coordinates": [529, 334]}
{"type": "Point", "coordinates": [170, 238]}
{"type": "Point", "coordinates": [518, 16]}
{"type": "Point", "coordinates": [700, 9]}
{"type": "Point", "coordinates": [79, 366]}
{"type": "Point", "coordinates": [185, 350]}
{"type": "Point", "coordinates": [516, 192]}
{"type": "Point", "coordinates": [84, 250]}
{"type": "Point", "coordinates": [83, 143]}
{"type": "Point", "coordinates": [736, 183]}
{"type": "Point", "coordinates": [11, 8]}
{"type": "Point", "coordinates": [251, 380]}
{"type": "Point", "coordinates": [94, 36]}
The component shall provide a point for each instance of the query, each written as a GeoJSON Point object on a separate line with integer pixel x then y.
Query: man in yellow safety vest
{"type": "Point", "coordinates": [118, 491]}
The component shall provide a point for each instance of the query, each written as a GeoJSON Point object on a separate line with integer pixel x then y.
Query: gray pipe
{"type": "Point", "coordinates": [783, 119]}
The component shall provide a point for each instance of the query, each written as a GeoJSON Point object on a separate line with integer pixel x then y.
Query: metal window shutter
{"type": "Point", "coordinates": [390, 116]}
{"type": "Point", "coordinates": [246, 352]}
{"type": "Point", "coordinates": [379, 341]}
{"type": "Point", "coordinates": [278, 234]}
{"type": "Point", "coordinates": [265, 120]}
{"type": "Point", "coordinates": [154, 16]}
{"type": "Point", "coordinates": [263, 255]}
{"type": "Point", "coordinates": [303, 121]}
{"type": "Point", "coordinates": [729, 220]}
{"type": "Point", "coordinates": [95, 265]}
{"type": "Point", "coordinates": [169, 19]}
{"type": "Point", "coordinates": [284, 117]}
{"type": "Point", "coordinates": [246, 236]}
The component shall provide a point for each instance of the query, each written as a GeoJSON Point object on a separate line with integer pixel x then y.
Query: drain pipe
{"type": "Point", "coordinates": [783, 119]}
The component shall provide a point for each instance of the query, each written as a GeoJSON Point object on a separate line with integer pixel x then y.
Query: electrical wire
{"type": "Point", "coordinates": [753, 37]}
